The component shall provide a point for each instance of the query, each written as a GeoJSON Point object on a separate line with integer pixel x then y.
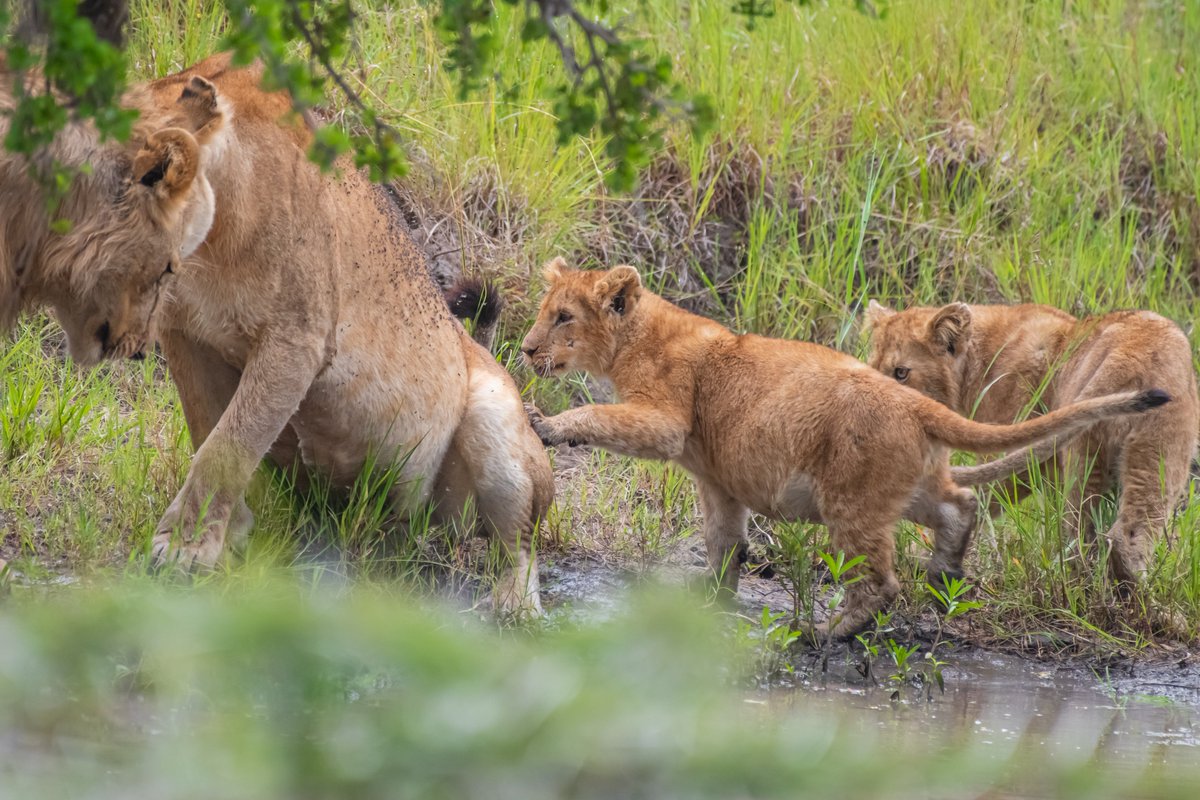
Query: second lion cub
{"type": "Point", "coordinates": [1000, 362]}
{"type": "Point", "coordinates": [791, 430]}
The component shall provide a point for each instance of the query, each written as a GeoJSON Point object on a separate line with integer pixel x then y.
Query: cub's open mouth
{"type": "Point", "coordinates": [545, 368]}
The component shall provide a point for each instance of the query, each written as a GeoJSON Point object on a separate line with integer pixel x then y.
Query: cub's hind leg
{"type": "Point", "coordinates": [497, 458]}
{"type": "Point", "coordinates": [724, 523]}
{"type": "Point", "coordinates": [867, 532]}
{"type": "Point", "coordinates": [1153, 477]}
{"type": "Point", "coordinates": [951, 511]}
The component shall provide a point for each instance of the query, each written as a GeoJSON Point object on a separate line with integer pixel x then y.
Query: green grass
{"type": "Point", "coordinates": [987, 151]}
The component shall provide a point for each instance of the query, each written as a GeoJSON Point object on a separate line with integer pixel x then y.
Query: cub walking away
{"type": "Point", "coordinates": [791, 430]}
{"type": "Point", "coordinates": [998, 363]}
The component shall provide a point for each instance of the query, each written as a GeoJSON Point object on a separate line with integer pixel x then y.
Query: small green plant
{"type": "Point", "coordinates": [775, 636]}
{"type": "Point", "coordinates": [950, 597]}
{"type": "Point", "coordinates": [904, 674]}
{"type": "Point", "coordinates": [870, 643]}
{"type": "Point", "coordinates": [839, 573]}
{"type": "Point", "coordinates": [934, 667]}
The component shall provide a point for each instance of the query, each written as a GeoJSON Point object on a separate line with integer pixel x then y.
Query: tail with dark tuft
{"type": "Point", "coordinates": [476, 300]}
{"type": "Point", "coordinates": [1152, 398]}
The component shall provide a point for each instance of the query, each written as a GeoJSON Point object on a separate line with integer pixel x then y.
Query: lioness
{"type": "Point", "coordinates": [307, 325]}
{"type": "Point", "coordinates": [131, 217]}
{"type": "Point", "coordinates": [791, 430]}
{"type": "Point", "coordinates": [999, 363]}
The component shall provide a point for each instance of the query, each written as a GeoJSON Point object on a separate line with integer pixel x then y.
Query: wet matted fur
{"type": "Point", "coordinates": [306, 325]}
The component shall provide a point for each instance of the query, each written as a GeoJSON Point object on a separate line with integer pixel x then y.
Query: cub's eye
{"type": "Point", "coordinates": [900, 374]}
{"type": "Point", "coordinates": [563, 318]}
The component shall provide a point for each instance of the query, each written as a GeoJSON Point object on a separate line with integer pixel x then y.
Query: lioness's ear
{"type": "Point", "coordinates": [167, 163]}
{"type": "Point", "coordinates": [203, 109]}
{"type": "Point", "coordinates": [554, 270]}
{"type": "Point", "coordinates": [951, 327]}
{"type": "Point", "coordinates": [875, 314]}
{"type": "Point", "coordinates": [618, 290]}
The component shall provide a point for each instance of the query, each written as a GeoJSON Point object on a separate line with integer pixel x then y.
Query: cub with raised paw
{"type": "Point", "coordinates": [790, 430]}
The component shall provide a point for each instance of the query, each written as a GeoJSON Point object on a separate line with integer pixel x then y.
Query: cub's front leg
{"type": "Point", "coordinates": [631, 429]}
{"type": "Point", "coordinates": [275, 380]}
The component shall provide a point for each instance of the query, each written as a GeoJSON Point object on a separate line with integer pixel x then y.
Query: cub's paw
{"type": "Point", "coordinates": [168, 551]}
{"type": "Point", "coordinates": [543, 426]}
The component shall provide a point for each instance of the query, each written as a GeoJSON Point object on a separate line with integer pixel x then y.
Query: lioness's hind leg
{"type": "Point", "coordinates": [1086, 473]}
{"type": "Point", "coordinates": [506, 469]}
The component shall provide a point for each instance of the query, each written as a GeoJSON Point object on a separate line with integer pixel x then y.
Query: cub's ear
{"type": "Point", "coordinates": [554, 270]}
{"type": "Point", "coordinates": [875, 313]}
{"type": "Point", "coordinates": [619, 289]}
{"type": "Point", "coordinates": [951, 327]}
{"type": "Point", "coordinates": [167, 164]}
{"type": "Point", "coordinates": [202, 108]}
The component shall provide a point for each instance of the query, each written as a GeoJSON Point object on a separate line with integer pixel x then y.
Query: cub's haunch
{"type": "Point", "coordinates": [790, 430]}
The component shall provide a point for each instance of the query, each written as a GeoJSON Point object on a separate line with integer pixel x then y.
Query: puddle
{"type": "Point", "coordinates": [1132, 718]}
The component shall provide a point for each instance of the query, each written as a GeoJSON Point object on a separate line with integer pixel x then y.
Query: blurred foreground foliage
{"type": "Point", "coordinates": [280, 691]}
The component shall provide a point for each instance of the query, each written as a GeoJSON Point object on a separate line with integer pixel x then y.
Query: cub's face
{"type": "Point", "coordinates": [921, 348]}
{"type": "Point", "coordinates": [580, 318]}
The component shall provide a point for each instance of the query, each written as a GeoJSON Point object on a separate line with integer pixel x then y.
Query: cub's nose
{"type": "Point", "coordinates": [528, 351]}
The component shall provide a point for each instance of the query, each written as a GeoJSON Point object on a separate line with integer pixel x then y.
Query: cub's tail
{"type": "Point", "coordinates": [943, 425]}
{"type": "Point", "coordinates": [1011, 464]}
{"type": "Point", "coordinates": [476, 300]}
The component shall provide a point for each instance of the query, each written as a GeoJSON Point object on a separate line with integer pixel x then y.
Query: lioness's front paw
{"type": "Point", "coordinates": [191, 534]}
{"type": "Point", "coordinates": [168, 550]}
{"type": "Point", "coordinates": [543, 426]}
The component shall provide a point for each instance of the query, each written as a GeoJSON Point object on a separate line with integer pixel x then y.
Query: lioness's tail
{"type": "Point", "coordinates": [476, 300]}
{"type": "Point", "coordinates": [943, 425]}
{"type": "Point", "coordinates": [1009, 465]}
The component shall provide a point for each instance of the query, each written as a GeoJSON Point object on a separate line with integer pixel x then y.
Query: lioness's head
{"type": "Point", "coordinates": [133, 214]}
{"type": "Point", "coordinates": [921, 347]}
{"type": "Point", "coordinates": [580, 319]}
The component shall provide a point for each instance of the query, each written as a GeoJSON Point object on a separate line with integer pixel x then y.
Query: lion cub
{"type": "Point", "coordinates": [791, 430]}
{"type": "Point", "coordinates": [1000, 362]}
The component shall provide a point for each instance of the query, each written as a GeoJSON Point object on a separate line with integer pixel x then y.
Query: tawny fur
{"type": "Point", "coordinates": [790, 430]}
{"type": "Point", "coordinates": [130, 218]}
{"type": "Point", "coordinates": [1002, 363]}
{"type": "Point", "coordinates": [306, 326]}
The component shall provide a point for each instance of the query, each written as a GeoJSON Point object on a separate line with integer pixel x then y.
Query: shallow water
{"type": "Point", "coordinates": [1013, 705]}
{"type": "Point", "coordinates": [1135, 719]}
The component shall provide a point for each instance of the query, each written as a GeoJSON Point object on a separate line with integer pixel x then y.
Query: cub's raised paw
{"type": "Point", "coordinates": [542, 426]}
